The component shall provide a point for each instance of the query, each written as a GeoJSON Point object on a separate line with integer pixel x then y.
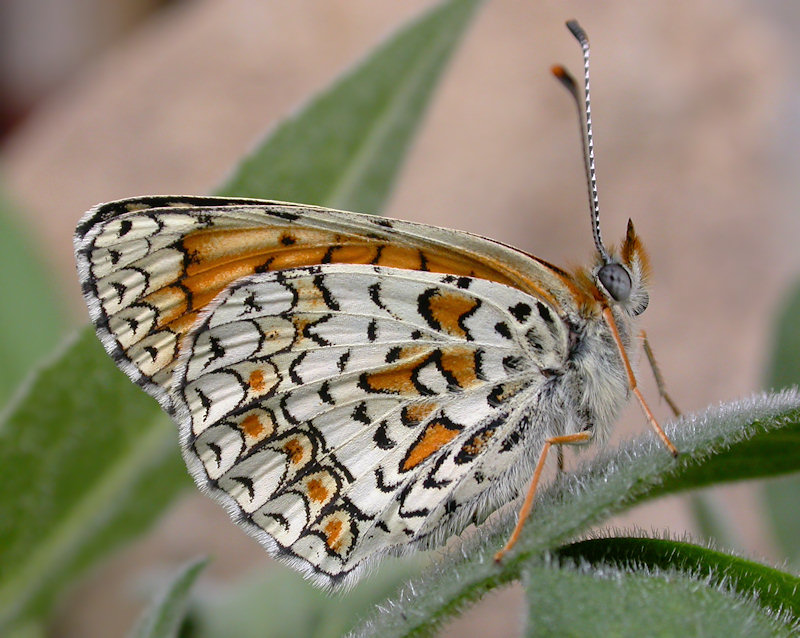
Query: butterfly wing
{"type": "Point", "coordinates": [342, 411]}
{"type": "Point", "coordinates": [148, 266]}
{"type": "Point", "coordinates": [344, 384]}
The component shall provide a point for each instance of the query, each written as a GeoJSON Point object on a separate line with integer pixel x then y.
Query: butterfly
{"type": "Point", "coordinates": [346, 385]}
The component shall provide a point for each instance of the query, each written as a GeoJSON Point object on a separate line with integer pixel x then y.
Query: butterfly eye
{"type": "Point", "coordinates": [616, 281]}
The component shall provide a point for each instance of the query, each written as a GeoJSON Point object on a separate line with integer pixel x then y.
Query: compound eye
{"type": "Point", "coordinates": [616, 281]}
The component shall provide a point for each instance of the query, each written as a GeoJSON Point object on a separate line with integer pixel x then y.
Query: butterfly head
{"type": "Point", "coordinates": [623, 278]}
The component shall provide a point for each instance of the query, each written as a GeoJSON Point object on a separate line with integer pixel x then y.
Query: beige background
{"type": "Point", "coordinates": [695, 114]}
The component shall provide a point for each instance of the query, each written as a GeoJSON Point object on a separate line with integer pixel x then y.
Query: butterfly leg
{"type": "Point", "coordinates": [609, 317]}
{"type": "Point", "coordinates": [567, 439]}
{"type": "Point", "coordinates": [662, 387]}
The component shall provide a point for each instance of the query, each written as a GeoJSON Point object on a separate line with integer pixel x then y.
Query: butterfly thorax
{"type": "Point", "coordinates": [593, 386]}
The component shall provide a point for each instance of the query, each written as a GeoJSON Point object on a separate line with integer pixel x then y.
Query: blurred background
{"type": "Point", "coordinates": [695, 105]}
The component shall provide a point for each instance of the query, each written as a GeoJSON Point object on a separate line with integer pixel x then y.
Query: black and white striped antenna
{"type": "Point", "coordinates": [585, 122]}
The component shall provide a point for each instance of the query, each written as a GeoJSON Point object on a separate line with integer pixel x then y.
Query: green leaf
{"type": "Point", "coordinates": [611, 482]}
{"type": "Point", "coordinates": [784, 368]}
{"type": "Point", "coordinates": [344, 148]}
{"type": "Point", "coordinates": [166, 613]}
{"type": "Point", "coordinates": [88, 461]}
{"type": "Point", "coordinates": [782, 510]}
{"type": "Point", "coordinates": [654, 588]}
{"type": "Point", "coordinates": [291, 606]}
{"type": "Point", "coordinates": [710, 520]}
{"type": "Point", "coordinates": [766, 453]}
{"type": "Point", "coordinates": [780, 497]}
{"type": "Point", "coordinates": [32, 316]}
{"type": "Point", "coordinates": [770, 588]}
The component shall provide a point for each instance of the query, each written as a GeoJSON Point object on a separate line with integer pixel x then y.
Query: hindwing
{"type": "Point", "coordinates": [341, 411]}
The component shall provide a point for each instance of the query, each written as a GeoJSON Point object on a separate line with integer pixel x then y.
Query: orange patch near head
{"type": "Point", "coordinates": [294, 449]}
{"type": "Point", "coordinates": [448, 309]}
{"type": "Point", "coordinates": [633, 250]}
{"type": "Point", "coordinates": [435, 436]}
{"type": "Point", "coordinates": [317, 491]}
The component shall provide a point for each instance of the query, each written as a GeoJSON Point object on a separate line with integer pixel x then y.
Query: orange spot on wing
{"type": "Point", "coordinates": [257, 424]}
{"type": "Point", "coordinates": [418, 412]}
{"type": "Point", "coordinates": [448, 308]}
{"type": "Point", "coordinates": [397, 379]}
{"type": "Point", "coordinates": [251, 425]}
{"type": "Point", "coordinates": [171, 303]}
{"type": "Point", "coordinates": [450, 263]}
{"type": "Point", "coordinates": [507, 390]}
{"type": "Point", "coordinates": [256, 381]}
{"type": "Point", "coordinates": [416, 352]}
{"type": "Point", "coordinates": [297, 256]}
{"type": "Point", "coordinates": [210, 248]}
{"type": "Point", "coordinates": [354, 253]}
{"type": "Point", "coordinates": [475, 445]}
{"type": "Point", "coordinates": [309, 297]}
{"type": "Point", "coordinates": [294, 449]}
{"type": "Point", "coordinates": [206, 285]}
{"type": "Point", "coordinates": [333, 530]}
{"type": "Point", "coordinates": [460, 363]}
{"type": "Point", "coordinates": [435, 436]}
{"type": "Point", "coordinates": [317, 491]}
{"type": "Point", "coordinates": [184, 323]}
{"type": "Point", "coordinates": [399, 256]}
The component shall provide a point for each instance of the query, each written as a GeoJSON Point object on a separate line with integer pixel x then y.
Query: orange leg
{"type": "Point", "coordinates": [609, 317]}
{"type": "Point", "coordinates": [580, 437]}
{"type": "Point", "coordinates": [662, 387]}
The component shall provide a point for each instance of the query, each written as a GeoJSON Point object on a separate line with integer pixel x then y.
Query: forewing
{"type": "Point", "coordinates": [149, 266]}
{"type": "Point", "coordinates": [337, 411]}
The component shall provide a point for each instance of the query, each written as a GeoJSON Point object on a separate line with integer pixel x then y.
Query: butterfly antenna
{"type": "Point", "coordinates": [585, 115]}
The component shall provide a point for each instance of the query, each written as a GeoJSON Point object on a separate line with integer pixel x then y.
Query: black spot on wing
{"type": "Point", "coordinates": [325, 393]}
{"type": "Point", "coordinates": [360, 414]}
{"type": "Point", "coordinates": [294, 365]}
{"type": "Point", "coordinates": [501, 328]}
{"type": "Point", "coordinates": [245, 482]}
{"type": "Point", "coordinates": [327, 296]}
{"type": "Point", "coordinates": [520, 311]}
{"type": "Point", "coordinates": [381, 437]}
{"type": "Point", "coordinates": [544, 313]}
